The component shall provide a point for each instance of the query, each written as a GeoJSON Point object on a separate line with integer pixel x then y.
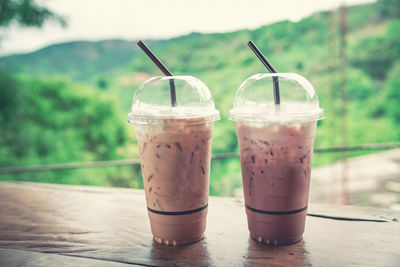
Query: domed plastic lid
{"type": "Point", "coordinates": [254, 100]}
{"type": "Point", "coordinates": [152, 102]}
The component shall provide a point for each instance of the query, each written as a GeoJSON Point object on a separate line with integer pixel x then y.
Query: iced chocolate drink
{"type": "Point", "coordinates": [175, 160]}
{"type": "Point", "coordinates": [276, 165]}
{"type": "Point", "coordinates": [175, 152]}
{"type": "Point", "coordinates": [276, 147]}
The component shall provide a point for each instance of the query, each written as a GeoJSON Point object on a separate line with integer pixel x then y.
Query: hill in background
{"type": "Point", "coordinates": [310, 47]}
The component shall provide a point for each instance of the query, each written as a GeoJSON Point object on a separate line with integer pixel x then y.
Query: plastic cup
{"type": "Point", "coordinates": [175, 154]}
{"type": "Point", "coordinates": [276, 147]}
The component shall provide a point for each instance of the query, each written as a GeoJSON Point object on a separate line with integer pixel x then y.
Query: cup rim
{"type": "Point", "coordinates": [173, 119]}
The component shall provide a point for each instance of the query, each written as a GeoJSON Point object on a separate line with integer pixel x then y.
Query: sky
{"type": "Point", "coordinates": [132, 19]}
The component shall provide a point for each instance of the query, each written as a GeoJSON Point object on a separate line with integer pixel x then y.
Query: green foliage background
{"type": "Point", "coordinates": [68, 102]}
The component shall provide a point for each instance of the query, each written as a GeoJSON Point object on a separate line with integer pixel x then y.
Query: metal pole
{"type": "Point", "coordinates": [343, 94]}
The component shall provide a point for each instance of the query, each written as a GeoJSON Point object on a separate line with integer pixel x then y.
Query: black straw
{"type": "Point", "coordinates": [162, 67]}
{"type": "Point", "coordinates": [264, 61]}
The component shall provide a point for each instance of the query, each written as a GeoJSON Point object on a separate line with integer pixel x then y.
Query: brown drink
{"type": "Point", "coordinates": [175, 165]}
{"type": "Point", "coordinates": [276, 140]}
{"type": "Point", "coordinates": [175, 153]}
{"type": "Point", "coordinates": [276, 165]}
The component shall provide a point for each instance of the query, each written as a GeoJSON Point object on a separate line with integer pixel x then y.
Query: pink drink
{"type": "Point", "coordinates": [276, 165]}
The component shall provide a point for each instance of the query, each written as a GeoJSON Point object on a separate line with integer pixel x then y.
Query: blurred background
{"type": "Point", "coordinates": [69, 69]}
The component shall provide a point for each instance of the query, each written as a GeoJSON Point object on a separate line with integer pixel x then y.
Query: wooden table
{"type": "Point", "coordinates": [57, 225]}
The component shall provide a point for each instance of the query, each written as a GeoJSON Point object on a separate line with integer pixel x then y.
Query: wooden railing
{"type": "Point", "coordinates": [218, 156]}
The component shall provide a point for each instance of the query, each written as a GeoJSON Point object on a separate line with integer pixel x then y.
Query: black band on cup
{"type": "Point", "coordinates": [177, 212]}
{"type": "Point", "coordinates": [276, 212]}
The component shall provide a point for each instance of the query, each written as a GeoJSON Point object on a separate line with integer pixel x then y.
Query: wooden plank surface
{"type": "Point", "coordinates": [94, 226]}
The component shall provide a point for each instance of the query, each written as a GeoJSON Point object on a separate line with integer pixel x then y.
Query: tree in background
{"type": "Point", "coordinates": [26, 13]}
{"type": "Point", "coordinates": [389, 8]}
{"type": "Point", "coordinates": [55, 121]}
{"type": "Point", "coordinates": [392, 101]}
{"type": "Point", "coordinates": [52, 120]}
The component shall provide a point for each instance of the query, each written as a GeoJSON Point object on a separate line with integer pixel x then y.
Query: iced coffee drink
{"type": "Point", "coordinates": [276, 165]}
{"type": "Point", "coordinates": [175, 160]}
{"type": "Point", "coordinates": [276, 148]}
{"type": "Point", "coordinates": [175, 153]}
